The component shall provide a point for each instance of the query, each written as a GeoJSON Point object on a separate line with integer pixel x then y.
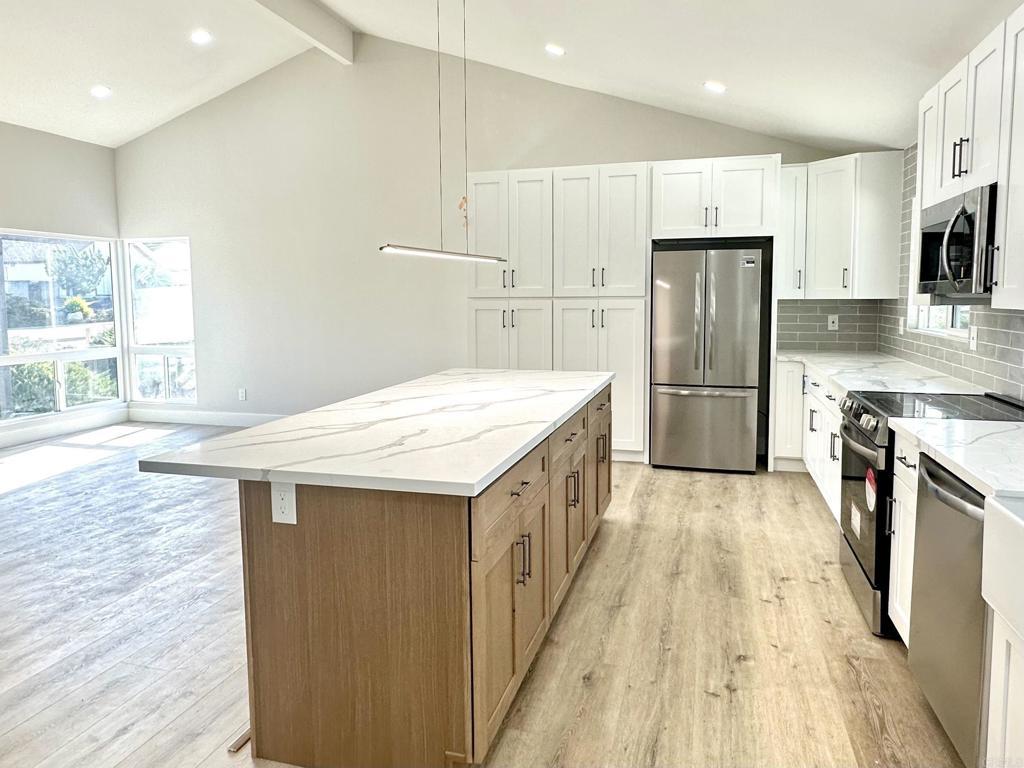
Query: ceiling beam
{"type": "Point", "coordinates": [316, 24]}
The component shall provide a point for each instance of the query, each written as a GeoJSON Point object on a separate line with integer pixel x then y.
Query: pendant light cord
{"type": "Point", "coordinates": [465, 120]}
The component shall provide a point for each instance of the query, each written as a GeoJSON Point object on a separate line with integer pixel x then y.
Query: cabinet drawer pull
{"type": "Point", "coordinates": [528, 538]}
{"type": "Point", "coordinates": [522, 487]}
{"type": "Point", "coordinates": [716, 215]}
{"type": "Point", "coordinates": [571, 437]}
{"type": "Point", "coordinates": [903, 460]}
{"type": "Point", "coordinates": [576, 488]}
{"type": "Point", "coordinates": [705, 215]}
{"type": "Point", "coordinates": [521, 578]}
{"type": "Point", "coordinates": [889, 528]}
{"type": "Point", "coordinates": [602, 448]}
{"type": "Point", "coordinates": [593, 277]}
{"type": "Point", "coordinates": [830, 396]}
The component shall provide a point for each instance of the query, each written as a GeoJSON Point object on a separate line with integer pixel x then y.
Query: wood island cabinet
{"type": "Point", "coordinates": [393, 628]}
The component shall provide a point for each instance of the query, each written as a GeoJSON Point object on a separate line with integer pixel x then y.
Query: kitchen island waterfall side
{"type": "Point", "coordinates": [438, 525]}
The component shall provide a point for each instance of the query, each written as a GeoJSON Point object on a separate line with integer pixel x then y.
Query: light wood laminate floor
{"type": "Point", "coordinates": [709, 626]}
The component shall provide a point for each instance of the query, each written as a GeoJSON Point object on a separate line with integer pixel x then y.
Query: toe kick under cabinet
{"type": "Point", "coordinates": [395, 628]}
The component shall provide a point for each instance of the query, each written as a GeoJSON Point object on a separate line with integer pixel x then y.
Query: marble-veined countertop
{"type": "Point", "coordinates": [878, 372]}
{"type": "Point", "coordinates": [453, 433]}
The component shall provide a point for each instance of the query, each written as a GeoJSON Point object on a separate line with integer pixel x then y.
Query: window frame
{"type": "Point", "coordinates": [949, 332]}
{"type": "Point", "coordinates": [61, 358]}
{"type": "Point", "coordinates": [131, 347]}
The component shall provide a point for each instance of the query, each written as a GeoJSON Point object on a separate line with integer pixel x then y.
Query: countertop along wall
{"type": "Point", "coordinates": [998, 363]}
{"type": "Point", "coordinates": [287, 185]}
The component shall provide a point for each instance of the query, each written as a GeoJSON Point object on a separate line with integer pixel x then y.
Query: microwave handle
{"type": "Point", "coordinates": [944, 251]}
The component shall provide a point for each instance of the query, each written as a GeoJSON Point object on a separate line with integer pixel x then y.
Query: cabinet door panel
{"type": "Point", "coordinates": [530, 335]}
{"type": "Point", "coordinates": [1006, 696]}
{"type": "Point", "coordinates": [559, 555]}
{"type": "Point", "coordinates": [532, 600]}
{"type": "Point", "coordinates": [831, 187]}
{"type": "Point", "coordinates": [744, 192]}
{"type": "Point", "coordinates": [487, 227]}
{"type": "Point", "coordinates": [576, 334]}
{"type": "Point", "coordinates": [622, 324]}
{"type": "Point", "coordinates": [952, 128]}
{"type": "Point", "coordinates": [681, 199]}
{"type": "Point", "coordinates": [577, 527]}
{"type": "Point", "coordinates": [790, 248]}
{"type": "Point", "coordinates": [984, 103]}
{"type": "Point", "coordinates": [488, 333]}
{"type": "Point", "coordinates": [901, 564]}
{"type": "Point", "coordinates": [622, 256]}
{"type": "Point", "coordinates": [1008, 293]}
{"type": "Point", "coordinates": [928, 148]}
{"type": "Point", "coordinates": [576, 231]}
{"type": "Point", "coordinates": [788, 410]}
{"type": "Point", "coordinates": [603, 465]}
{"type": "Point", "coordinates": [530, 216]}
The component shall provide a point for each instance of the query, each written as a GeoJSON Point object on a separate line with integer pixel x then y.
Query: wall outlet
{"type": "Point", "coordinates": [833, 322]}
{"type": "Point", "coordinates": [241, 393]}
{"type": "Point", "coordinates": [903, 326]}
{"type": "Point", "coordinates": [972, 336]}
{"type": "Point", "coordinates": [282, 503]}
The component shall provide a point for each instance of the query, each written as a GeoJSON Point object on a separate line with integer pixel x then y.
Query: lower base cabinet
{"type": "Point", "coordinates": [822, 445]}
{"type": "Point", "coordinates": [1006, 697]}
{"type": "Point", "coordinates": [901, 559]}
{"type": "Point", "coordinates": [789, 392]}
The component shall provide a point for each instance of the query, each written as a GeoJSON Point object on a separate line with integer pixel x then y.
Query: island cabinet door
{"type": "Point", "coordinates": [577, 508]}
{"type": "Point", "coordinates": [559, 557]}
{"type": "Point", "coordinates": [532, 601]}
{"type": "Point", "coordinates": [603, 471]}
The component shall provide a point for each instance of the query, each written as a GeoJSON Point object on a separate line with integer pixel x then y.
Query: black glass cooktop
{"type": "Point", "coordinates": [922, 406]}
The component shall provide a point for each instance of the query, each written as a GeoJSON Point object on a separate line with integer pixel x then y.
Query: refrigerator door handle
{"type": "Point", "coordinates": [707, 393]}
{"type": "Point", "coordinates": [712, 301]}
{"type": "Point", "coordinates": [697, 312]}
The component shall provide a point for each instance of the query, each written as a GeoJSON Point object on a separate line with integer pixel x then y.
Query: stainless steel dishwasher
{"type": "Point", "coordinates": [949, 619]}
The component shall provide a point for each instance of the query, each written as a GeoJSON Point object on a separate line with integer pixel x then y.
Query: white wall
{"type": "Point", "coordinates": [52, 184]}
{"type": "Point", "coordinates": [289, 183]}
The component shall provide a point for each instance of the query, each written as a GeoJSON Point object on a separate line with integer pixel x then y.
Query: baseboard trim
{"type": "Point", "coordinates": [186, 415]}
{"type": "Point", "coordinates": [636, 457]}
{"type": "Point", "coordinates": [38, 428]}
{"type": "Point", "coordinates": [790, 465]}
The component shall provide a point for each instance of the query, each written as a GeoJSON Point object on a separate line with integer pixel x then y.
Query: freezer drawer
{"type": "Point", "coordinates": [704, 428]}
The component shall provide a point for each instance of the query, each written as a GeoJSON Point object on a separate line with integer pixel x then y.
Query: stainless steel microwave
{"type": "Point", "coordinates": [958, 248]}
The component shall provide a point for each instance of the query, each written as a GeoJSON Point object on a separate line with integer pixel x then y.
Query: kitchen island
{"type": "Point", "coordinates": [404, 553]}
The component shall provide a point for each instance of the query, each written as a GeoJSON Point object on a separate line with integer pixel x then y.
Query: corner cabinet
{"type": "Point", "coordinates": [721, 197]}
{"type": "Point", "coordinates": [853, 226]}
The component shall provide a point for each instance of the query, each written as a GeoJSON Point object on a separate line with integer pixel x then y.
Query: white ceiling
{"type": "Point", "coordinates": [836, 74]}
{"type": "Point", "coordinates": [53, 51]}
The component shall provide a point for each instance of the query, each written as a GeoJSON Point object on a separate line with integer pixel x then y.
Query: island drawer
{"type": "Point", "coordinates": [515, 488]}
{"type": "Point", "coordinates": [566, 438]}
{"type": "Point", "coordinates": [600, 405]}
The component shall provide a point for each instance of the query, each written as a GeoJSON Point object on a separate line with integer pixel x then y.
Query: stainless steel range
{"type": "Point", "coordinates": [867, 461]}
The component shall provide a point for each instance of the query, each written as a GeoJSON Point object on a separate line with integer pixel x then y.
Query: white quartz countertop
{"type": "Point", "coordinates": [452, 433]}
{"type": "Point", "coordinates": [988, 455]}
{"type": "Point", "coordinates": [877, 372]}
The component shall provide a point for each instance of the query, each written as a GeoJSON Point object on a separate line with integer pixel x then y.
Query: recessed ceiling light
{"type": "Point", "coordinates": [714, 86]}
{"type": "Point", "coordinates": [554, 50]}
{"type": "Point", "coordinates": [201, 36]}
{"type": "Point", "coordinates": [101, 91]}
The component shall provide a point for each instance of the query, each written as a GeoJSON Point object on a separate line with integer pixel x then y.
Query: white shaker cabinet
{"type": "Point", "coordinates": [621, 339]}
{"type": "Point", "coordinates": [530, 241]}
{"type": "Point", "coordinates": [789, 430]}
{"type": "Point", "coordinates": [576, 231]}
{"type": "Point", "coordinates": [927, 148]}
{"type": "Point", "coordinates": [724, 197]}
{"type": "Point", "coordinates": [790, 248]}
{"type": "Point", "coordinates": [576, 334]}
{"type": "Point", "coordinates": [1006, 696]}
{"type": "Point", "coordinates": [488, 333]}
{"type": "Point", "coordinates": [901, 559]}
{"type": "Point", "coordinates": [1008, 272]}
{"type": "Point", "coordinates": [487, 228]}
{"type": "Point", "coordinates": [529, 334]}
{"type": "Point", "coordinates": [951, 129]}
{"type": "Point", "coordinates": [622, 241]}
{"type": "Point", "coordinates": [853, 226]}
{"type": "Point", "coordinates": [681, 199]}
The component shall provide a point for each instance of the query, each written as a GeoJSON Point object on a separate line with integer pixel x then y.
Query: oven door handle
{"type": "Point", "coordinates": [950, 498]}
{"type": "Point", "coordinates": [874, 456]}
{"type": "Point", "coordinates": [944, 251]}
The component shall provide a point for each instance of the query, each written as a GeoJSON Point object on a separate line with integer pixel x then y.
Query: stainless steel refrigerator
{"type": "Point", "coordinates": [705, 354]}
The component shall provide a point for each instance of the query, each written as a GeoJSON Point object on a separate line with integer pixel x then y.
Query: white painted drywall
{"type": "Point", "coordinates": [289, 183]}
{"type": "Point", "coordinates": [53, 184]}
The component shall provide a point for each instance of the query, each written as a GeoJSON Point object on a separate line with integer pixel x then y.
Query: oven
{"type": "Point", "coordinates": [958, 248]}
{"type": "Point", "coordinates": [865, 520]}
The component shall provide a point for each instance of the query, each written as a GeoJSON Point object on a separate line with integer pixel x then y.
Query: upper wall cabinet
{"type": "Point", "coordinates": [488, 232]}
{"type": "Point", "coordinates": [576, 232]}
{"type": "Point", "coordinates": [790, 249]}
{"type": "Point", "coordinates": [529, 241]}
{"type": "Point", "coordinates": [1008, 291]}
{"type": "Point", "coordinates": [724, 197]}
{"type": "Point", "coordinates": [853, 226]}
{"type": "Point", "coordinates": [623, 243]}
{"type": "Point", "coordinates": [959, 124]}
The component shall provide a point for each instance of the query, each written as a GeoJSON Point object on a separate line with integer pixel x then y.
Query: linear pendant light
{"type": "Point", "coordinates": [433, 253]}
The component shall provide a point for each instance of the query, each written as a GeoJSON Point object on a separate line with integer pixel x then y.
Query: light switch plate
{"type": "Point", "coordinates": [282, 503]}
{"type": "Point", "coordinates": [241, 393]}
{"type": "Point", "coordinates": [973, 338]}
{"type": "Point", "coordinates": [833, 322]}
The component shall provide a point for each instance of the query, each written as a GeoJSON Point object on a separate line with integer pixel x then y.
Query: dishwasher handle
{"type": "Point", "coordinates": [950, 497]}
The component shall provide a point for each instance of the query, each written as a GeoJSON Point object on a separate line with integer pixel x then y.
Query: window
{"type": "Point", "coordinates": [162, 347]}
{"type": "Point", "coordinates": [58, 325]}
{"type": "Point", "coordinates": [953, 321]}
